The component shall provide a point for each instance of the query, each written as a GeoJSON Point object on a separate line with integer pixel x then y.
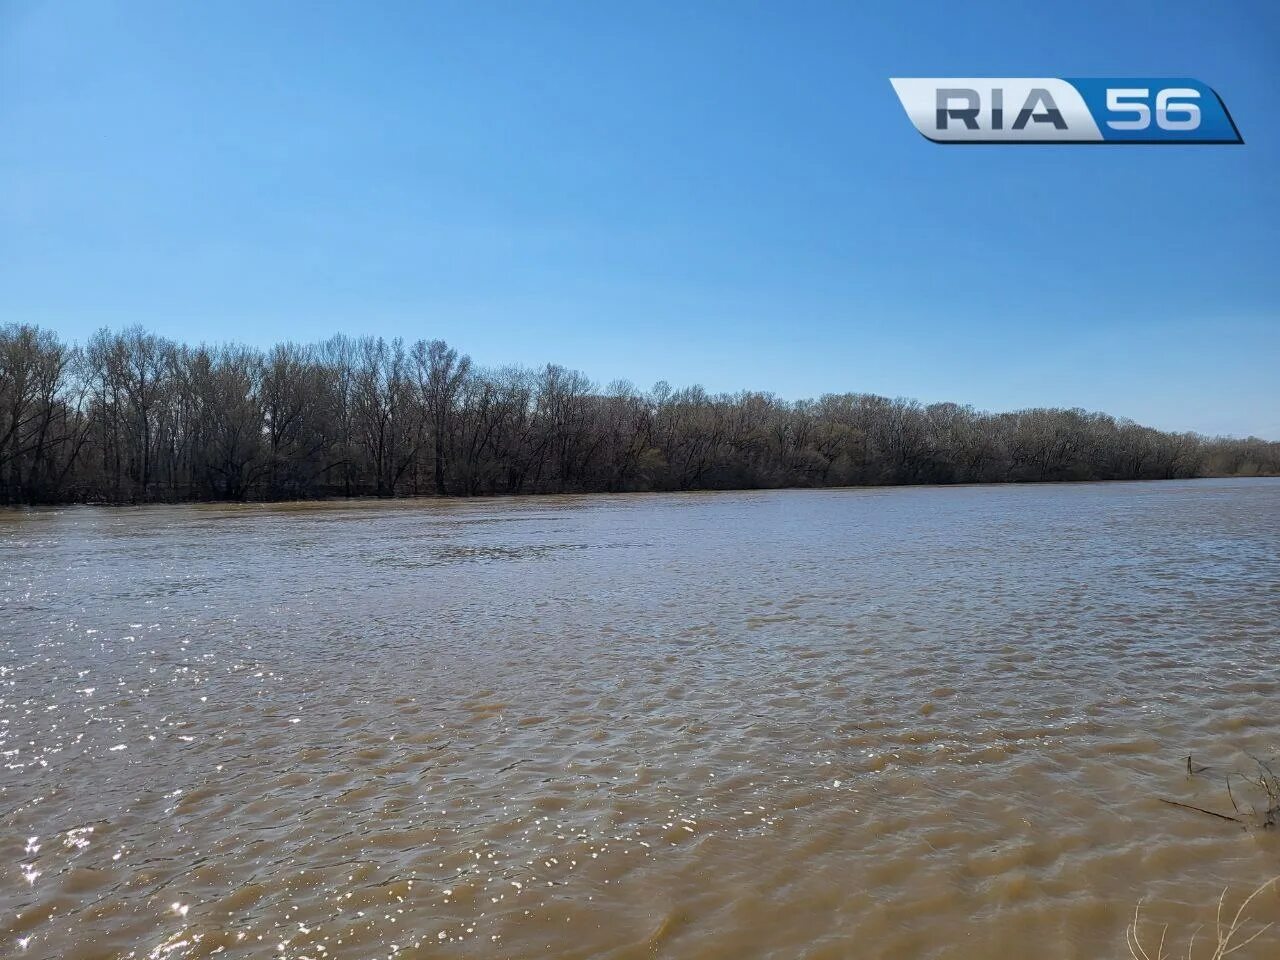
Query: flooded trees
{"type": "Point", "coordinates": [386, 414]}
{"type": "Point", "coordinates": [130, 379]}
{"type": "Point", "coordinates": [441, 374]}
{"type": "Point", "coordinates": [40, 433]}
{"type": "Point", "coordinates": [229, 455]}
{"type": "Point", "coordinates": [135, 417]}
{"type": "Point", "coordinates": [302, 427]}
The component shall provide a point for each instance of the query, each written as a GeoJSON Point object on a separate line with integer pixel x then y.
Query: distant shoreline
{"type": "Point", "coordinates": [131, 417]}
{"type": "Point", "coordinates": [370, 500]}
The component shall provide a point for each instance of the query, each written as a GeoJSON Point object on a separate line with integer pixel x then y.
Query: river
{"type": "Point", "coordinates": [880, 723]}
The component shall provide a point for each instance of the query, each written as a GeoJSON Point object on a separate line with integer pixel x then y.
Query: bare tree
{"type": "Point", "coordinates": [440, 376]}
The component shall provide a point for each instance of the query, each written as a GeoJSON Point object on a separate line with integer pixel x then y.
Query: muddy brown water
{"type": "Point", "coordinates": [890, 723]}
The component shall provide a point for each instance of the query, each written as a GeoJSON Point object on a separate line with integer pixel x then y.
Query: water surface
{"type": "Point", "coordinates": [890, 723]}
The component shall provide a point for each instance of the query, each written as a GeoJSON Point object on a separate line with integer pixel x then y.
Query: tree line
{"type": "Point", "coordinates": [132, 417]}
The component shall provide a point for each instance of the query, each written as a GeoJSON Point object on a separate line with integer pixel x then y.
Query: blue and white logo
{"type": "Point", "coordinates": [1057, 110]}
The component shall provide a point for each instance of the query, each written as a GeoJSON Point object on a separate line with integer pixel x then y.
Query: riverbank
{"type": "Point", "coordinates": [431, 497]}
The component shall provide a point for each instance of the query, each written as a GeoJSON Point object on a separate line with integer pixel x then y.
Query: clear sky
{"type": "Point", "coordinates": [725, 193]}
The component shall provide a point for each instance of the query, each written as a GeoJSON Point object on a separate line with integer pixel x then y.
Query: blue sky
{"type": "Point", "coordinates": [725, 193]}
